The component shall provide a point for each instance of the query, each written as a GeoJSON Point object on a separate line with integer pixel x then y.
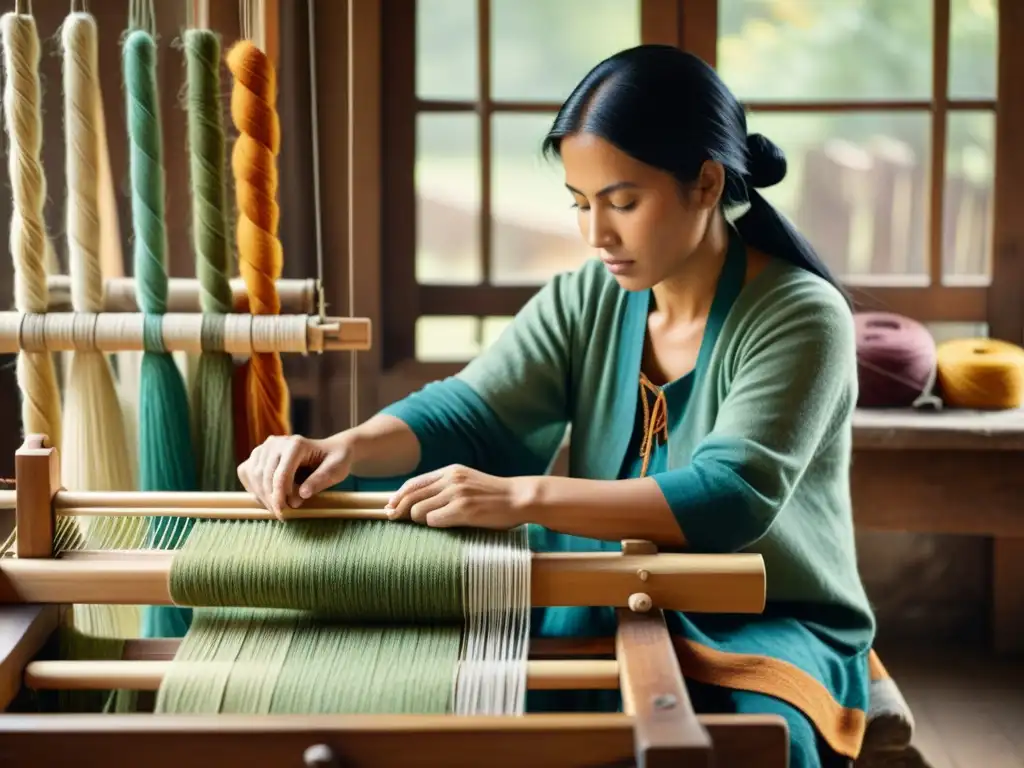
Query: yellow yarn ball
{"type": "Point", "coordinates": [981, 374]}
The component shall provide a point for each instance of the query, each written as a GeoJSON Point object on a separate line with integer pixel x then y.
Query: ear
{"type": "Point", "coordinates": [709, 185]}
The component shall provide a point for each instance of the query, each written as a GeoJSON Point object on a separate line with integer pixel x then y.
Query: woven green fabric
{"type": "Point", "coordinates": [321, 616]}
{"type": "Point", "coordinates": [254, 661]}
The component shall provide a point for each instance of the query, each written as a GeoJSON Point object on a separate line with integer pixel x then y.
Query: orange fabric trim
{"type": "Point", "coordinates": [876, 668]}
{"type": "Point", "coordinates": [842, 727]}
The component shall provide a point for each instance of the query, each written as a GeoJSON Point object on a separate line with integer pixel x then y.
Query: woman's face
{"type": "Point", "coordinates": [643, 223]}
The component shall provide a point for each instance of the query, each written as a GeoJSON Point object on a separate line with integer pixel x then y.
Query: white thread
{"type": "Point", "coordinates": [491, 678]}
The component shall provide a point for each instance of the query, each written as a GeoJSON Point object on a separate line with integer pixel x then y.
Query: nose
{"type": "Point", "coordinates": [599, 233]}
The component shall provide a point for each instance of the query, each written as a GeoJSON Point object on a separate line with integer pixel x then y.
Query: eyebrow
{"type": "Point", "coordinates": [607, 190]}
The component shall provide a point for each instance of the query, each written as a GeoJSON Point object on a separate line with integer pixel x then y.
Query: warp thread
{"type": "Point", "coordinates": [166, 458]}
{"type": "Point", "coordinates": [212, 410]}
{"type": "Point", "coordinates": [29, 243]}
{"type": "Point", "coordinates": [981, 374]}
{"type": "Point", "coordinates": [253, 162]}
{"type": "Point", "coordinates": [896, 361]}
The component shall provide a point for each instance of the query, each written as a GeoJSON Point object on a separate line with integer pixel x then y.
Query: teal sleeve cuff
{"type": "Point", "coordinates": [454, 425]}
{"type": "Point", "coordinates": [717, 510]}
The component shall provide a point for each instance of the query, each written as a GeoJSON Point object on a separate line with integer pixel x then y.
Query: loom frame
{"type": "Point", "coordinates": [657, 727]}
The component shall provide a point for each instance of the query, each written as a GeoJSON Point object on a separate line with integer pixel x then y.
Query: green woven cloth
{"type": "Point", "coordinates": [321, 616]}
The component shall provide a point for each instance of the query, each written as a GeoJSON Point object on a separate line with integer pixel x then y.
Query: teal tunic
{"type": "Point", "coordinates": [824, 631]}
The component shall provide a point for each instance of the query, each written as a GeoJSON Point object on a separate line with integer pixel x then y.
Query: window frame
{"type": "Point", "coordinates": [693, 25]}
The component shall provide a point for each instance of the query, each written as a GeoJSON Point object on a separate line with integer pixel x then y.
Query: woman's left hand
{"type": "Point", "coordinates": [457, 496]}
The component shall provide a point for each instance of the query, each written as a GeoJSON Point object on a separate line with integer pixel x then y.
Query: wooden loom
{"type": "Point", "coordinates": [658, 726]}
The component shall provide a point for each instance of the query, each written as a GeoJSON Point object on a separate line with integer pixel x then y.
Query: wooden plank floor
{"type": "Point", "coordinates": [968, 706]}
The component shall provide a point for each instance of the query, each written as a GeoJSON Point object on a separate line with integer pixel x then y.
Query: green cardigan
{"type": "Point", "coordinates": [758, 463]}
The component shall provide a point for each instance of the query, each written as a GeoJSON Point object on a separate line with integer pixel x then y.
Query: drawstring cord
{"type": "Point", "coordinates": [655, 420]}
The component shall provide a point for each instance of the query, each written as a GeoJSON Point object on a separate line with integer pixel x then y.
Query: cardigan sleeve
{"type": "Point", "coordinates": [794, 387]}
{"type": "Point", "coordinates": [506, 412]}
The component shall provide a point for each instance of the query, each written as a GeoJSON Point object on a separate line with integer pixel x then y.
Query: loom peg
{"type": "Point", "coordinates": [319, 756]}
{"type": "Point", "coordinates": [639, 602]}
{"type": "Point", "coordinates": [638, 547]}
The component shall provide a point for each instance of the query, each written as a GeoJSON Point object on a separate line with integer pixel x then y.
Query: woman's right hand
{"type": "Point", "coordinates": [269, 472]}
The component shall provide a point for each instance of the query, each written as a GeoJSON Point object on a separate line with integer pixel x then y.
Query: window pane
{"type": "Point", "coordinates": [972, 54]}
{"type": "Point", "coordinates": [857, 187]}
{"type": "Point", "coordinates": [456, 339]}
{"type": "Point", "coordinates": [540, 49]}
{"type": "Point", "coordinates": [446, 50]}
{"type": "Point", "coordinates": [817, 50]}
{"type": "Point", "coordinates": [967, 202]}
{"type": "Point", "coordinates": [533, 228]}
{"type": "Point", "coordinates": [442, 339]}
{"type": "Point", "coordinates": [448, 199]}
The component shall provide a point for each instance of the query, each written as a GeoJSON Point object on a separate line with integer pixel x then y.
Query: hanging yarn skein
{"type": "Point", "coordinates": [29, 243]}
{"type": "Point", "coordinates": [896, 361]}
{"type": "Point", "coordinates": [95, 455]}
{"type": "Point", "coordinates": [212, 409]}
{"type": "Point", "coordinates": [166, 457]}
{"type": "Point", "coordinates": [254, 165]}
{"type": "Point", "coordinates": [981, 374]}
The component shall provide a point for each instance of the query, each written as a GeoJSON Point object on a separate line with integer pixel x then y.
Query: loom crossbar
{"type": "Point", "coordinates": [413, 741]}
{"type": "Point", "coordinates": [682, 582]}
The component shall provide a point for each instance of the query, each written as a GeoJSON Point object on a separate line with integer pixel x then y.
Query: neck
{"type": "Point", "coordinates": [688, 293]}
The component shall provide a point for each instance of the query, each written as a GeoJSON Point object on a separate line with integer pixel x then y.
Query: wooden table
{"type": "Point", "coordinates": [949, 472]}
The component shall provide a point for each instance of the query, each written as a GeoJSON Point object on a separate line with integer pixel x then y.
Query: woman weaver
{"type": "Point", "coordinates": [706, 365]}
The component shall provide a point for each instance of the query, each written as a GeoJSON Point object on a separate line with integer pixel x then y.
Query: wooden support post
{"type": "Point", "coordinates": [37, 480]}
{"type": "Point", "coordinates": [24, 629]}
{"type": "Point", "coordinates": [666, 729]}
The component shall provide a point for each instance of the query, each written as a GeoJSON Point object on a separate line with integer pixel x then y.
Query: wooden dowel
{"type": "Point", "coordinates": [541, 648]}
{"type": "Point", "coordinates": [298, 297]}
{"type": "Point", "coordinates": [214, 500]}
{"type": "Point", "coordinates": [243, 334]}
{"type": "Point", "coordinates": [584, 674]}
{"type": "Point", "coordinates": [218, 513]}
{"type": "Point", "coordinates": [137, 502]}
{"type": "Point", "coordinates": [683, 582]}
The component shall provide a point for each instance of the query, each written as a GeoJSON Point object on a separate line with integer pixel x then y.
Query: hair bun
{"type": "Point", "coordinates": [766, 162]}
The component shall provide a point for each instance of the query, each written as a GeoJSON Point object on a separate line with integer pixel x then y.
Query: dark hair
{"type": "Point", "coordinates": [669, 109]}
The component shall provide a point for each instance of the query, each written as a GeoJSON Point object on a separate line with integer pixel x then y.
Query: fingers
{"type": "Point", "coordinates": [441, 498]}
{"type": "Point", "coordinates": [332, 470]}
{"type": "Point", "coordinates": [414, 491]}
{"type": "Point", "coordinates": [269, 472]}
{"type": "Point", "coordinates": [294, 453]}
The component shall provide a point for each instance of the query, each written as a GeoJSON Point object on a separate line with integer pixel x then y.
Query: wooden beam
{"type": "Point", "coordinates": [24, 629]}
{"type": "Point", "coordinates": [653, 691]}
{"type": "Point", "coordinates": [732, 583]}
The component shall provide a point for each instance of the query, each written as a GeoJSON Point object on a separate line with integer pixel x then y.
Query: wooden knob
{"type": "Point", "coordinates": [640, 602]}
{"type": "Point", "coordinates": [319, 755]}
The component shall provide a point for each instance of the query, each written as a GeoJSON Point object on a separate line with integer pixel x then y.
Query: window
{"type": "Point", "coordinates": [470, 90]}
{"type": "Point", "coordinates": [886, 112]}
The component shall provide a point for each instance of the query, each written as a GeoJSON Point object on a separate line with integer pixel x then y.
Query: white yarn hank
{"type": "Point", "coordinates": [491, 678]}
{"type": "Point", "coordinates": [23, 122]}
{"type": "Point", "coordinates": [96, 457]}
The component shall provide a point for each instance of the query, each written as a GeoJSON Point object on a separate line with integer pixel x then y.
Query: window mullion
{"type": "Point", "coordinates": [940, 112]}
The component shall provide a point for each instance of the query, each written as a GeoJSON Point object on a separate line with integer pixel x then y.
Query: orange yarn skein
{"type": "Point", "coordinates": [260, 257]}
